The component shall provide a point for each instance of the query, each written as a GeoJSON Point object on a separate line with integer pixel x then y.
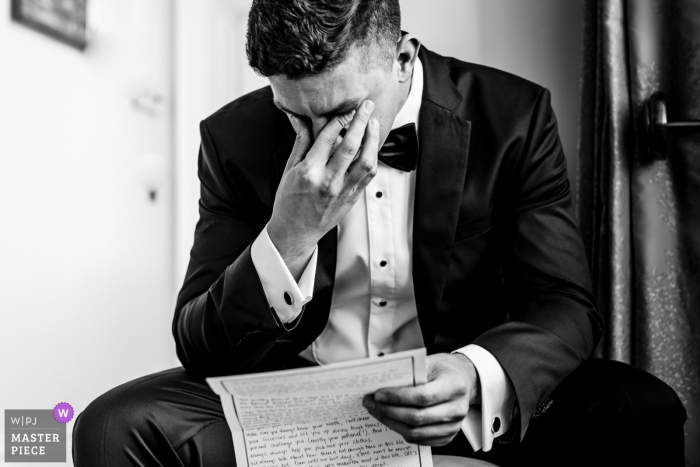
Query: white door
{"type": "Point", "coordinates": [86, 268]}
{"type": "Point", "coordinates": [211, 69]}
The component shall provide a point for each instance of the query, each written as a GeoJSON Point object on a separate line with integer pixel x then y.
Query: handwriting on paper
{"type": "Point", "coordinates": [295, 420]}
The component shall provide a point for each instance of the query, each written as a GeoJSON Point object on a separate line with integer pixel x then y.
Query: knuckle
{"type": "Point", "coordinates": [343, 119]}
{"type": "Point", "coordinates": [325, 188]}
{"type": "Point", "coordinates": [306, 177]}
{"type": "Point", "coordinates": [364, 116]}
{"type": "Point", "coordinates": [327, 139]}
{"type": "Point", "coordinates": [350, 149]}
{"type": "Point", "coordinates": [369, 168]}
{"type": "Point", "coordinates": [424, 399]}
{"type": "Point", "coordinates": [328, 189]}
{"type": "Point", "coordinates": [416, 418]}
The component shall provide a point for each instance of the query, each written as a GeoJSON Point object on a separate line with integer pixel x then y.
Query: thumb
{"type": "Point", "coordinates": [302, 144]}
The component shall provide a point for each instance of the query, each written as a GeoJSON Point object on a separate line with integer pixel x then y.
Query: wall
{"type": "Point", "coordinates": [86, 296]}
{"type": "Point", "coordinates": [537, 39]}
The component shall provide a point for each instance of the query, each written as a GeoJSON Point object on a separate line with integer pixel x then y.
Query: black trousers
{"type": "Point", "coordinates": [604, 413]}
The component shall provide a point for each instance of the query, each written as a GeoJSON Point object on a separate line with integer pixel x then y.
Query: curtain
{"type": "Point", "coordinates": [640, 217]}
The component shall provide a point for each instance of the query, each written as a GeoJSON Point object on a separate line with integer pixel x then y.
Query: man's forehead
{"type": "Point", "coordinates": [346, 83]}
{"type": "Point", "coordinates": [321, 95]}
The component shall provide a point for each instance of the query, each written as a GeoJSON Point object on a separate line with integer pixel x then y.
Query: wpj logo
{"type": "Point", "coordinates": [37, 435]}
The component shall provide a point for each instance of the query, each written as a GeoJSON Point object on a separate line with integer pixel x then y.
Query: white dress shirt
{"type": "Point", "coordinates": [373, 308]}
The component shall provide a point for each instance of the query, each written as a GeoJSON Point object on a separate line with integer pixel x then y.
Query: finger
{"type": "Point", "coordinates": [435, 392]}
{"type": "Point", "coordinates": [302, 144]}
{"type": "Point", "coordinates": [348, 148]}
{"type": "Point", "coordinates": [324, 145]}
{"type": "Point", "coordinates": [449, 412]}
{"type": "Point", "coordinates": [431, 435]}
{"type": "Point", "coordinates": [365, 165]}
{"type": "Point", "coordinates": [339, 139]}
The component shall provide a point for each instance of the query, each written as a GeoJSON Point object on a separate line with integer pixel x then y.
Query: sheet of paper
{"type": "Point", "coordinates": [313, 417]}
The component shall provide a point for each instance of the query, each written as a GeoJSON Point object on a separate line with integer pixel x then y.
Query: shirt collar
{"type": "Point", "coordinates": [411, 108]}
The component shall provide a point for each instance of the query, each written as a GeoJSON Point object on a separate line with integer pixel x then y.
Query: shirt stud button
{"type": "Point", "coordinates": [382, 263]}
{"type": "Point", "coordinates": [380, 354]}
{"type": "Point", "coordinates": [288, 299]}
{"type": "Point", "coordinates": [379, 194]}
{"type": "Point", "coordinates": [496, 425]}
{"type": "Point", "coordinates": [382, 303]}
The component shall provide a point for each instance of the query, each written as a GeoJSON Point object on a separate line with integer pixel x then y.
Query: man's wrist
{"type": "Point", "coordinates": [472, 379]}
{"type": "Point", "coordinates": [295, 252]}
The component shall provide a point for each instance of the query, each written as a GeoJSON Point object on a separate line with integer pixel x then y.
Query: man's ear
{"type": "Point", "coordinates": [407, 52]}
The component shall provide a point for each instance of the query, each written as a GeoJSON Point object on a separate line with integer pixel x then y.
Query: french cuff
{"type": "Point", "coordinates": [493, 418]}
{"type": "Point", "coordinates": [284, 294]}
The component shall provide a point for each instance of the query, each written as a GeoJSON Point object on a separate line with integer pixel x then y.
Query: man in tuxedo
{"type": "Point", "coordinates": [379, 197]}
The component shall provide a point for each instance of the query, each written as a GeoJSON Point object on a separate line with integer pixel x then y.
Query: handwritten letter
{"type": "Point", "coordinates": [313, 417]}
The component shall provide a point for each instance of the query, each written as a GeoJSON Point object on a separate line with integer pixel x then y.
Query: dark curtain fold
{"type": "Point", "coordinates": [640, 217]}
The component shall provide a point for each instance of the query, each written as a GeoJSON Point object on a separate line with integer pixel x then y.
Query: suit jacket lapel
{"type": "Point", "coordinates": [442, 161]}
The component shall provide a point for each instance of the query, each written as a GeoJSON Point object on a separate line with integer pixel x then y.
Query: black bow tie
{"type": "Point", "coordinates": [400, 149]}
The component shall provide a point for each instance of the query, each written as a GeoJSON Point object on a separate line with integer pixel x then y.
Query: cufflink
{"type": "Point", "coordinates": [495, 425]}
{"type": "Point", "coordinates": [288, 299]}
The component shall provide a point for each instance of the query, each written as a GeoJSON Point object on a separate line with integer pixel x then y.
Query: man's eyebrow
{"type": "Point", "coordinates": [343, 107]}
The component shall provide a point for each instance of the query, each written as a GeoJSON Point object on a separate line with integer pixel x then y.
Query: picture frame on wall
{"type": "Point", "coordinates": [64, 20]}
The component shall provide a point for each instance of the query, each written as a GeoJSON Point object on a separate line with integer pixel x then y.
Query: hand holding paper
{"type": "Point", "coordinates": [429, 414]}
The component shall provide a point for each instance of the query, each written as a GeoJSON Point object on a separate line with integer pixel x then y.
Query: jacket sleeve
{"type": "Point", "coordinates": [554, 324]}
{"type": "Point", "coordinates": [223, 323]}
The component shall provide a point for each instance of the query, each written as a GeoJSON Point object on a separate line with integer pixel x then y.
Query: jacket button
{"type": "Point", "coordinates": [382, 303]}
{"type": "Point", "coordinates": [496, 425]}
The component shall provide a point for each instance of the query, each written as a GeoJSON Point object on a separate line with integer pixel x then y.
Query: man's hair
{"type": "Point", "coordinates": [299, 38]}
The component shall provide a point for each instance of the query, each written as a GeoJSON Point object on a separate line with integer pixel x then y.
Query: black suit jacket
{"type": "Point", "coordinates": [497, 256]}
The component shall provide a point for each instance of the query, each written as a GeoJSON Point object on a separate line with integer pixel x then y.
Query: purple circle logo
{"type": "Point", "coordinates": [63, 412]}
